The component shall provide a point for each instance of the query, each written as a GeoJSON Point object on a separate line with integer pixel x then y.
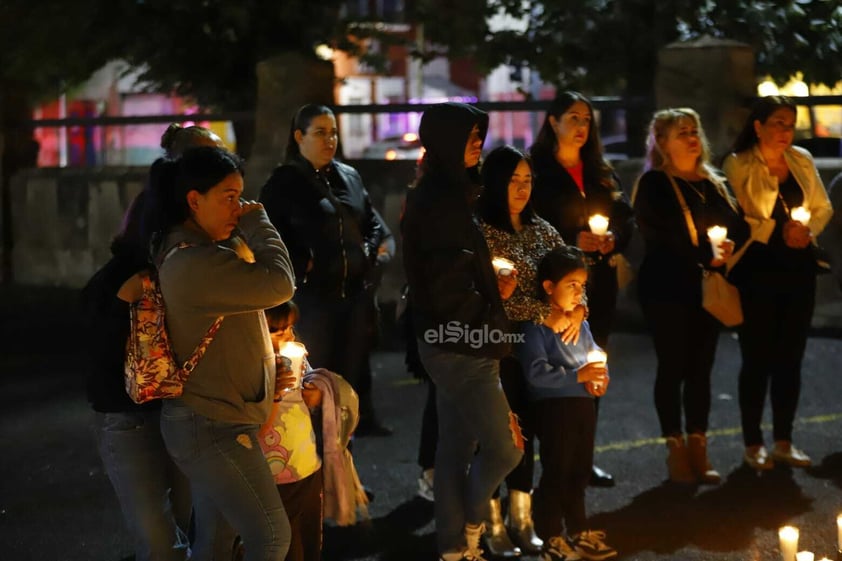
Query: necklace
{"type": "Point", "coordinates": [700, 192]}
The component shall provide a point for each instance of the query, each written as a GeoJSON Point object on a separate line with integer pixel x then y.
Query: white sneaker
{"type": "Point", "coordinates": [425, 485]}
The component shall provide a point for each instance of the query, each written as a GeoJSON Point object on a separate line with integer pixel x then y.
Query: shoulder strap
{"type": "Point", "coordinates": [691, 227]}
{"type": "Point", "coordinates": [199, 351]}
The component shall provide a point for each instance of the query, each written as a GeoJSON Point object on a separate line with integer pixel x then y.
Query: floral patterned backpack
{"type": "Point", "coordinates": [151, 370]}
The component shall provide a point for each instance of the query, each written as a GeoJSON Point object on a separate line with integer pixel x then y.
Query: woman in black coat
{"type": "Point", "coordinates": [573, 182]}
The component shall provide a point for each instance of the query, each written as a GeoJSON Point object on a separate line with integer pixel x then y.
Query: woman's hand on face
{"type": "Point", "coordinates": [796, 235]}
{"type": "Point", "coordinates": [606, 244]}
{"type": "Point", "coordinates": [588, 241]}
{"type": "Point", "coordinates": [248, 206]}
{"type": "Point", "coordinates": [727, 248]}
{"type": "Point", "coordinates": [507, 284]}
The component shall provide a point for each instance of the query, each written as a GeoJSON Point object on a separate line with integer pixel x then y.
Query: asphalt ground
{"type": "Point", "coordinates": [56, 502]}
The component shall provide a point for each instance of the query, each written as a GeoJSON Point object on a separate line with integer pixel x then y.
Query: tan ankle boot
{"type": "Point", "coordinates": [520, 523]}
{"type": "Point", "coordinates": [497, 539]}
{"type": "Point", "coordinates": [697, 448]}
{"type": "Point", "coordinates": [678, 461]}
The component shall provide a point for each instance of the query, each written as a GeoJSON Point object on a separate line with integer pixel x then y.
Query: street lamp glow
{"type": "Point", "coordinates": [767, 87]}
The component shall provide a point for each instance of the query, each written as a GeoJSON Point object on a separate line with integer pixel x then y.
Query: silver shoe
{"type": "Point", "coordinates": [521, 527]}
{"type": "Point", "coordinates": [497, 540]}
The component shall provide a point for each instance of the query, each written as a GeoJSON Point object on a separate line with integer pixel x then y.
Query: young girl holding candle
{"type": "Point", "coordinates": [578, 193]}
{"type": "Point", "coordinates": [288, 440]}
{"type": "Point", "coordinates": [786, 206]}
{"type": "Point", "coordinates": [680, 190]}
{"type": "Point", "coordinates": [562, 381]}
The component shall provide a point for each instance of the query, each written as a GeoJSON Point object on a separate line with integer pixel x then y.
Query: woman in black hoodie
{"type": "Point", "coordinates": [461, 326]}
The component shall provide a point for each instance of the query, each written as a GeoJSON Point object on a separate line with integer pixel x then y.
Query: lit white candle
{"type": "Point", "coordinates": [597, 356]}
{"type": "Point", "coordinates": [839, 532]}
{"type": "Point", "coordinates": [295, 352]}
{"type": "Point", "coordinates": [502, 266]}
{"type": "Point", "coordinates": [598, 224]}
{"type": "Point", "coordinates": [800, 214]}
{"type": "Point", "coordinates": [717, 235]}
{"type": "Point", "coordinates": [805, 556]}
{"type": "Point", "coordinates": [788, 536]}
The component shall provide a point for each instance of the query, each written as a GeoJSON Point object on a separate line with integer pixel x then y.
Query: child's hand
{"type": "Point", "coordinates": [284, 377]}
{"type": "Point", "coordinates": [593, 372]}
{"type": "Point", "coordinates": [597, 389]}
{"type": "Point", "coordinates": [312, 395]}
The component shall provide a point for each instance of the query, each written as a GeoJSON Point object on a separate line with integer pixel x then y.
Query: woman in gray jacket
{"type": "Point", "coordinates": [211, 430]}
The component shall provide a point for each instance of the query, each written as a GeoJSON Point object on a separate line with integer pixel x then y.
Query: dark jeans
{"type": "Point", "coordinates": [336, 333]}
{"type": "Point", "coordinates": [514, 386]}
{"type": "Point", "coordinates": [685, 338]}
{"type": "Point", "coordinates": [602, 306]}
{"type": "Point", "coordinates": [230, 478]}
{"type": "Point", "coordinates": [153, 493]}
{"type": "Point", "coordinates": [479, 442]}
{"type": "Point", "coordinates": [303, 503]}
{"type": "Point", "coordinates": [602, 301]}
{"type": "Point", "coordinates": [773, 338]}
{"type": "Point", "coordinates": [429, 430]}
{"type": "Point", "coordinates": [565, 429]}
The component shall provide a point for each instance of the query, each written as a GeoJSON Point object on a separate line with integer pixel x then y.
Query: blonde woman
{"type": "Point", "coordinates": [777, 273]}
{"type": "Point", "coordinates": [678, 176]}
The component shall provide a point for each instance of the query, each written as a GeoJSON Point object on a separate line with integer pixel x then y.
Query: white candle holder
{"type": "Point", "coordinates": [800, 214]}
{"type": "Point", "coordinates": [788, 536]}
{"type": "Point", "coordinates": [502, 266]}
{"type": "Point", "coordinates": [295, 352]}
{"type": "Point", "coordinates": [717, 235]}
{"type": "Point", "coordinates": [598, 224]}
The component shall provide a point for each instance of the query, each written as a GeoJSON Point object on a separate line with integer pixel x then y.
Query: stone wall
{"type": "Point", "coordinates": [63, 221]}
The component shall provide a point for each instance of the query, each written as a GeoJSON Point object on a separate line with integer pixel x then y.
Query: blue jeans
{"type": "Point", "coordinates": [152, 491]}
{"type": "Point", "coordinates": [229, 476]}
{"type": "Point", "coordinates": [479, 440]}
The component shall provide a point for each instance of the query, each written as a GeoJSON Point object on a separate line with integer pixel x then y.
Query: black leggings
{"type": "Point", "coordinates": [685, 338]}
{"type": "Point", "coordinates": [773, 338]}
{"type": "Point", "coordinates": [565, 429]}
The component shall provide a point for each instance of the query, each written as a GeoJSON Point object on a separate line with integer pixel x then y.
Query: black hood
{"type": "Point", "coordinates": [444, 133]}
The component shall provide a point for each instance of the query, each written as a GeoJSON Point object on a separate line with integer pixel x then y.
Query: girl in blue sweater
{"type": "Point", "coordinates": [562, 383]}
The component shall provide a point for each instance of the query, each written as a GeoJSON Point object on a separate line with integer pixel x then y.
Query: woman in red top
{"type": "Point", "coordinates": [573, 182]}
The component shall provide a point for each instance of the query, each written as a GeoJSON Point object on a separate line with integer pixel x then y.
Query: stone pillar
{"type": "Point", "coordinates": [284, 83]}
{"type": "Point", "coordinates": [714, 77]}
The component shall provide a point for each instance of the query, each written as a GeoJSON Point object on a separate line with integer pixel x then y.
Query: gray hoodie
{"type": "Point", "coordinates": [234, 381]}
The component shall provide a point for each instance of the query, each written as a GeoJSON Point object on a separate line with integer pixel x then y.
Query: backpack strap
{"type": "Point", "coordinates": [199, 352]}
{"type": "Point", "coordinates": [202, 347]}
